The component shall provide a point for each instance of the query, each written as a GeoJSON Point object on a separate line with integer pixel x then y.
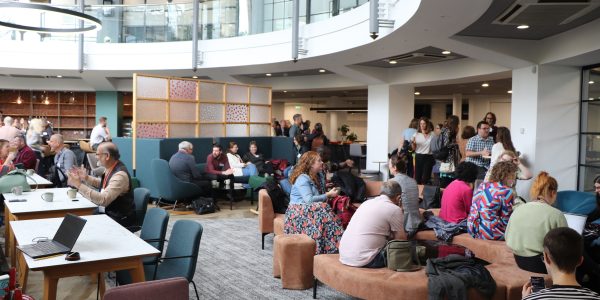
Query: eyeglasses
{"type": "Point", "coordinates": [485, 128]}
{"type": "Point", "coordinates": [98, 154]}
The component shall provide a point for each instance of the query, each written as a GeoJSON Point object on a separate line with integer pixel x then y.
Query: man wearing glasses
{"type": "Point", "coordinates": [112, 192]}
{"type": "Point", "coordinates": [479, 147]}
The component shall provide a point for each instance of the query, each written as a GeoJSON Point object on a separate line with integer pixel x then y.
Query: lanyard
{"type": "Point", "coordinates": [107, 175]}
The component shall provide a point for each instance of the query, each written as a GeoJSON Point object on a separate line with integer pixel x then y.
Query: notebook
{"type": "Point", "coordinates": [63, 240]}
{"type": "Point", "coordinates": [576, 222]}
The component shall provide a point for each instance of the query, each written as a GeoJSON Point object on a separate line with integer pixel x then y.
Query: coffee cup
{"type": "Point", "coordinates": [48, 197]}
{"type": "Point", "coordinates": [30, 172]}
{"type": "Point", "coordinates": [71, 193]}
{"type": "Point", "coordinates": [17, 190]}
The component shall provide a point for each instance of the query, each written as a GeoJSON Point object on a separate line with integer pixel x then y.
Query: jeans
{"type": "Point", "coordinates": [378, 261]}
{"type": "Point", "coordinates": [249, 170]}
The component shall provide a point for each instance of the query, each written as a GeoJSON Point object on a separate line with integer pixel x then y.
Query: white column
{"type": "Point", "coordinates": [545, 121]}
{"type": "Point", "coordinates": [457, 105]}
{"type": "Point", "coordinates": [333, 125]}
{"type": "Point", "coordinates": [390, 109]}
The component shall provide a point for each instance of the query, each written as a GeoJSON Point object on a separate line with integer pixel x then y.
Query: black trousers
{"type": "Point", "coordinates": [423, 166]}
{"type": "Point", "coordinates": [481, 171]}
{"type": "Point", "coordinates": [531, 263]}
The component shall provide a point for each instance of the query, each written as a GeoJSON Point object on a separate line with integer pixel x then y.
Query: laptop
{"type": "Point", "coordinates": [576, 222]}
{"type": "Point", "coordinates": [63, 240]}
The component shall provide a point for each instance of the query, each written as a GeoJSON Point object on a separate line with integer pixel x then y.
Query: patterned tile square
{"type": "Point", "coordinates": [212, 112]}
{"type": "Point", "coordinates": [182, 89]}
{"type": "Point", "coordinates": [237, 113]}
{"type": "Point", "coordinates": [151, 130]}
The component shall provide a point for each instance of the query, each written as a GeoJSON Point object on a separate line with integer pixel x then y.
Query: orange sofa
{"type": "Point", "coordinates": [270, 222]}
{"type": "Point", "coordinates": [381, 283]}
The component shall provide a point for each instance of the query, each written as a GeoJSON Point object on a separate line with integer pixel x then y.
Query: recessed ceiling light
{"type": "Point", "coordinates": [446, 52]}
{"type": "Point", "coordinates": [417, 93]}
{"type": "Point", "coordinates": [195, 77]}
{"type": "Point", "coordinates": [510, 91]}
{"type": "Point", "coordinates": [285, 91]}
{"type": "Point", "coordinates": [591, 82]}
{"type": "Point", "coordinates": [58, 76]}
{"type": "Point", "coordinates": [392, 62]}
{"type": "Point", "coordinates": [268, 74]}
{"type": "Point", "coordinates": [485, 84]}
{"type": "Point", "coordinates": [322, 71]}
{"type": "Point", "coordinates": [591, 98]}
{"type": "Point", "coordinates": [524, 26]}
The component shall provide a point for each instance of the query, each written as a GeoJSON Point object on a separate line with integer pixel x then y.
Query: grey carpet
{"type": "Point", "coordinates": [231, 264]}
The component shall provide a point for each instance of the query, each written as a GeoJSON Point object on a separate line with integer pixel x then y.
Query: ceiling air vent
{"type": "Point", "coordinates": [418, 58]}
{"type": "Point", "coordinates": [545, 12]}
{"type": "Point", "coordinates": [26, 76]}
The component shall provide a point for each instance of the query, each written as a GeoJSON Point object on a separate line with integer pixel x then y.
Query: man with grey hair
{"type": "Point", "coordinates": [374, 223]}
{"type": "Point", "coordinates": [8, 132]}
{"type": "Point", "coordinates": [64, 160]}
{"type": "Point", "coordinates": [183, 166]}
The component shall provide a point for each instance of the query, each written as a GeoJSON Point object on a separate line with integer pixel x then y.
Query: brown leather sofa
{"type": "Point", "coordinates": [270, 222]}
{"type": "Point", "coordinates": [381, 283]}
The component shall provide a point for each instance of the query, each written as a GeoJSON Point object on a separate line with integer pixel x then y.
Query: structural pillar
{"type": "Point", "coordinates": [545, 122]}
{"type": "Point", "coordinates": [110, 105]}
{"type": "Point", "coordinates": [390, 110]}
{"type": "Point", "coordinates": [457, 105]}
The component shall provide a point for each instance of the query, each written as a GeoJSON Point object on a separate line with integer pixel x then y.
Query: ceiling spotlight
{"type": "Point", "coordinates": [591, 82]}
{"type": "Point", "coordinates": [58, 76]}
{"type": "Point", "coordinates": [446, 52]}
{"type": "Point", "coordinates": [524, 26]}
{"type": "Point", "coordinates": [591, 98]}
{"type": "Point", "coordinates": [392, 62]}
{"type": "Point", "coordinates": [485, 84]}
{"type": "Point", "coordinates": [322, 71]}
{"type": "Point", "coordinates": [268, 74]}
{"type": "Point", "coordinates": [510, 91]}
{"type": "Point", "coordinates": [285, 91]}
{"type": "Point", "coordinates": [195, 77]}
{"type": "Point", "coordinates": [417, 93]}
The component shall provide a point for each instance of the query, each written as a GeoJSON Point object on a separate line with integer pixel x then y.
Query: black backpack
{"type": "Point", "coordinates": [204, 205]}
{"type": "Point", "coordinates": [439, 147]}
{"type": "Point", "coordinates": [278, 197]}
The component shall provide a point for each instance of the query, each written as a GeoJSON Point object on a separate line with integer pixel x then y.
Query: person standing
{"type": "Point", "coordinates": [112, 191]}
{"type": "Point", "coordinates": [490, 118]}
{"type": "Point", "coordinates": [479, 148]}
{"type": "Point", "coordinates": [421, 144]}
{"type": "Point", "coordinates": [100, 133]}
{"type": "Point", "coordinates": [8, 132]}
{"type": "Point", "coordinates": [297, 126]}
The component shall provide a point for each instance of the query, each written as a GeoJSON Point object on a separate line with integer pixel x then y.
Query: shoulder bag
{"type": "Point", "coordinates": [15, 178]}
{"type": "Point", "coordinates": [401, 256]}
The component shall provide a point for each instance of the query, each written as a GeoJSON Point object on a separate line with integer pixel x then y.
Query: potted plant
{"type": "Point", "coordinates": [344, 129]}
{"type": "Point", "coordinates": [352, 137]}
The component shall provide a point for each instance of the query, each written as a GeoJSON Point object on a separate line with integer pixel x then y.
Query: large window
{"type": "Point", "coordinates": [589, 138]}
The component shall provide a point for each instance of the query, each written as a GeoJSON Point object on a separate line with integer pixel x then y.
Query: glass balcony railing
{"type": "Point", "coordinates": [172, 22]}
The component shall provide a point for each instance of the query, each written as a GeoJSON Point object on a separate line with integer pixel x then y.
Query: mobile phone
{"type": "Point", "coordinates": [537, 283]}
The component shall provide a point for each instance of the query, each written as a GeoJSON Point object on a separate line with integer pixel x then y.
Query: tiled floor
{"type": "Point", "coordinates": [84, 287]}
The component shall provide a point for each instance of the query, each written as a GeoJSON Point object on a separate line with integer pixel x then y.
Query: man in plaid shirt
{"type": "Point", "coordinates": [480, 146]}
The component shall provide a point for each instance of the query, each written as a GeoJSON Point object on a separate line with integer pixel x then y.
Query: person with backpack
{"type": "Point", "coordinates": [447, 151]}
{"type": "Point", "coordinates": [317, 138]}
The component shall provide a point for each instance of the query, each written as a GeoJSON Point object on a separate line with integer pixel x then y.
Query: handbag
{"type": "Point", "coordinates": [401, 256]}
{"type": "Point", "coordinates": [447, 167]}
{"type": "Point", "coordinates": [204, 205]}
{"type": "Point", "coordinates": [15, 178]}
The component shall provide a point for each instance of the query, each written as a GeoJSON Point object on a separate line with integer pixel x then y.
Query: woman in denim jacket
{"type": "Point", "coordinates": [308, 212]}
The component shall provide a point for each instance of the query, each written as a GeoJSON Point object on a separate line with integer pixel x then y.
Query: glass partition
{"type": "Point", "coordinates": [589, 138]}
{"type": "Point", "coordinates": [172, 22]}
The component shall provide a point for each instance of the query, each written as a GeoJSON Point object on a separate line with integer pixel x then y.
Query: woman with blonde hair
{"type": "Point", "coordinates": [308, 212]}
{"type": "Point", "coordinates": [493, 203]}
{"type": "Point", "coordinates": [530, 222]}
{"type": "Point", "coordinates": [523, 173]}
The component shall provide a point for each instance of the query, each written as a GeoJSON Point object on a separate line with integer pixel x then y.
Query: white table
{"type": "Point", "coordinates": [36, 208]}
{"type": "Point", "coordinates": [41, 181]}
{"type": "Point", "coordinates": [103, 245]}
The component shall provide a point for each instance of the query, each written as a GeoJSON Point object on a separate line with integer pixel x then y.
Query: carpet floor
{"type": "Point", "coordinates": [231, 264]}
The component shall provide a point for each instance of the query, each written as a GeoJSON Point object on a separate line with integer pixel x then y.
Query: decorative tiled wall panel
{"type": "Point", "coordinates": [182, 111]}
{"type": "Point", "coordinates": [211, 130]}
{"type": "Point", "coordinates": [182, 89]}
{"type": "Point", "coordinates": [237, 93]}
{"type": "Point", "coordinates": [151, 130]}
{"type": "Point", "coordinates": [211, 92]}
{"type": "Point", "coordinates": [260, 95]}
{"type": "Point", "coordinates": [237, 113]}
{"type": "Point", "coordinates": [151, 110]}
{"type": "Point", "coordinates": [237, 130]}
{"type": "Point", "coordinates": [260, 113]}
{"type": "Point", "coordinates": [182, 130]}
{"type": "Point", "coordinates": [150, 87]}
{"type": "Point", "coordinates": [210, 112]}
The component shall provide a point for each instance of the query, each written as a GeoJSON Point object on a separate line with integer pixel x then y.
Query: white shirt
{"type": "Point", "coordinates": [98, 135]}
{"type": "Point", "coordinates": [423, 143]}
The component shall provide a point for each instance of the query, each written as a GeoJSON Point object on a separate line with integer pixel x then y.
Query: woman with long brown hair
{"type": "Point", "coordinates": [308, 212]}
{"type": "Point", "coordinates": [503, 143]}
{"type": "Point", "coordinates": [421, 144]}
{"type": "Point", "coordinates": [449, 142]}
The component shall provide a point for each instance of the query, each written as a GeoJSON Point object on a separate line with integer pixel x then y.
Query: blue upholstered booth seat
{"type": "Point", "coordinates": [148, 149]}
{"type": "Point", "coordinates": [575, 202]}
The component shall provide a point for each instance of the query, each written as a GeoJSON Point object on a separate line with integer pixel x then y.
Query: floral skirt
{"type": "Point", "coordinates": [318, 221]}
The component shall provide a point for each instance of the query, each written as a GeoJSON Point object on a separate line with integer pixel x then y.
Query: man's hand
{"type": "Point", "coordinates": [526, 289]}
{"type": "Point", "coordinates": [349, 163]}
{"type": "Point", "coordinates": [228, 172]}
{"type": "Point", "coordinates": [485, 152]}
{"type": "Point", "coordinates": [73, 179]}
{"type": "Point", "coordinates": [80, 173]}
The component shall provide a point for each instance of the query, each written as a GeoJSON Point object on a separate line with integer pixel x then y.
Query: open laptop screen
{"type": "Point", "coordinates": [69, 230]}
{"type": "Point", "coordinates": [576, 222]}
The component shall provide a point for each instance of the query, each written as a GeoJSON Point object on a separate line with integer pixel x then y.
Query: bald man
{"type": "Point", "coordinates": [64, 160]}
{"type": "Point", "coordinates": [112, 191]}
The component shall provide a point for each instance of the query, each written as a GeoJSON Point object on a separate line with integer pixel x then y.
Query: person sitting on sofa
{"type": "Point", "coordinates": [374, 223]}
{"type": "Point", "coordinates": [563, 253]}
{"type": "Point", "coordinates": [183, 166]}
{"type": "Point", "coordinates": [530, 222]}
{"type": "Point", "coordinates": [457, 197]}
{"type": "Point", "coordinates": [240, 168]}
{"type": "Point", "coordinates": [258, 159]}
{"type": "Point", "coordinates": [217, 168]}
{"type": "Point", "coordinates": [493, 203]}
{"type": "Point", "coordinates": [308, 212]}
{"type": "Point", "coordinates": [410, 195]}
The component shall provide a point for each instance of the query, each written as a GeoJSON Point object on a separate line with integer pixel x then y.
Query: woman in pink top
{"type": "Point", "coordinates": [456, 199]}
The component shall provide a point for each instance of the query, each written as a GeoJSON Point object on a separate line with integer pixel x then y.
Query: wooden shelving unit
{"type": "Point", "coordinates": [73, 114]}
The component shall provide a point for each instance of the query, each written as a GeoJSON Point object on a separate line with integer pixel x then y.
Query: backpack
{"type": "Point", "coordinates": [439, 147]}
{"type": "Point", "coordinates": [351, 185]}
{"type": "Point", "coordinates": [278, 196]}
{"type": "Point", "coordinates": [342, 207]}
{"type": "Point", "coordinates": [317, 142]}
{"type": "Point", "coordinates": [204, 205]}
